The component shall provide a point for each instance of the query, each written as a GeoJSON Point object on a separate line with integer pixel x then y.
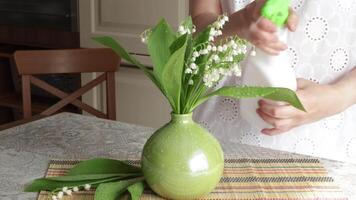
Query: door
{"type": "Point", "coordinates": [138, 101]}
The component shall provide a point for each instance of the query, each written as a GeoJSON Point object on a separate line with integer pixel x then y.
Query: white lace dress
{"type": "Point", "coordinates": [322, 50]}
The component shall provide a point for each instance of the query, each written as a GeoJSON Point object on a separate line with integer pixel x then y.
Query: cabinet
{"type": "Point", "coordinates": [138, 101]}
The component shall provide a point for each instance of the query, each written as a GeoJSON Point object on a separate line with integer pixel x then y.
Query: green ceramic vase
{"type": "Point", "coordinates": [182, 160]}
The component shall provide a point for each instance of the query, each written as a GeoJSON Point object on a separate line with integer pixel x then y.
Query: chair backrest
{"type": "Point", "coordinates": [37, 62]}
{"type": "Point", "coordinates": [66, 61]}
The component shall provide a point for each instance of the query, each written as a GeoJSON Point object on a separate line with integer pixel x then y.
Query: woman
{"type": "Point", "coordinates": [321, 51]}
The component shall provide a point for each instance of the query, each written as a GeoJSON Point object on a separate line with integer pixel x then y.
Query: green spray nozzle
{"type": "Point", "coordinates": [277, 11]}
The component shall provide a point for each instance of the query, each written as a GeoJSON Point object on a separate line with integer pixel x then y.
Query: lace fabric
{"type": "Point", "coordinates": [321, 50]}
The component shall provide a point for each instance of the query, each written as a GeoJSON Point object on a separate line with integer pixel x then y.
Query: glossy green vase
{"type": "Point", "coordinates": [182, 160]}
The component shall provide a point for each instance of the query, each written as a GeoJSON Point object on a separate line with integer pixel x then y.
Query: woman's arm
{"type": "Point", "coordinates": [204, 12]}
{"type": "Point", "coordinates": [347, 87]}
{"type": "Point", "coordinates": [245, 23]}
{"type": "Point", "coordinates": [320, 101]}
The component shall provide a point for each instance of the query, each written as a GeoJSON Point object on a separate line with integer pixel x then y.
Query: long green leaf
{"type": "Point", "coordinates": [119, 50]}
{"type": "Point", "coordinates": [93, 177]}
{"type": "Point", "coordinates": [136, 190]}
{"type": "Point", "coordinates": [172, 77]}
{"type": "Point", "coordinates": [178, 43]}
{"type": "Point", "coordinates": [102, 166]}
{"type": "Point", "coordinates": [50, 185]}
{"type": "Point", "coordinates": [159, 42]}
{"type": "Point", "coordinates": [113, 190]}
{"type": "Point", "coordinates": [202, 37]}
{"type": "Point", "coordinates": [276, 94]}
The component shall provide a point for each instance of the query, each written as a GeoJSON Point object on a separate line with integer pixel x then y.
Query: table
{"type": "Point", "coordinates": [25, 150]}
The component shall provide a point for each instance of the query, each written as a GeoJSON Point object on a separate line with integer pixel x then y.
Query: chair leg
{"type": "Point", "coordinates": [110, 95]}
{"type": "Point", "coordinates": [26, 96]}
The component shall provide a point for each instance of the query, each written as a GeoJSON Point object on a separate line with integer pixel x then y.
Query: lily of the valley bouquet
{"type": "Point", "coordinates": [187, 67]}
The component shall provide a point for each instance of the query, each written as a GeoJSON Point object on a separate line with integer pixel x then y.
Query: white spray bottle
{"type": "Point", "coordinates": [267, 70]}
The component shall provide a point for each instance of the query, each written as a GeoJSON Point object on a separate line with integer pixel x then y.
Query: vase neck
{"type": "Point", "coordinates": [182, 118]}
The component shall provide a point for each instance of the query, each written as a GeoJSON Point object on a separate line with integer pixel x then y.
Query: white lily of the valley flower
{"type": "Point", "coordinates": [68, 192]}
{"type": "Point", "coordinates": [203, 51]}
{"type": "Point", "coordinates": [196, 54]}
{"type": "Point", "coordinates": [233, 44]}
{"type": "Point", "coordinates": [64, 189]}
{"type": "Point", "coordinates": [222, 71]}
{"type": "Point", "coordinates": [75, 189]}
{"type": "Point", "coordinates": [181, 30]}
{"type": "Point", "coordinates": [234, 53]}
{"type": "Point", "coordinates": [60, 195]}
{"type": "Point", "coordinates": [224, 47]}
{"type": "Point", "coordinates": [191, 82]}
{"type": "Point", "coordinates": [212, 32]}
{"type": "Point", "coordinates": [236, 70]}
{"type": "Point", "coordinates": [194, 29]}
{"type": "Point", "coordinates": [87, 187]}
{"type": "Point", "coordinates": [244, 49]}
{"type": "Point", "coordinates": [215, 58]}
{"type": "Point", "coordinates": [143, 40]}
{"type": "Point", "coordinates": [188, 71]}
{"type": "Point", "coordinates": [144, 36]}
{"type": "Point", "coordinates": [253, 52]}
{"type": "Point", "coordinates": [196, 71]}
{"type": "Point", "coordinates": [193, 66]}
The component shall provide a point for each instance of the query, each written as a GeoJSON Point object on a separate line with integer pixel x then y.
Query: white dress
{"type": "Point", "coordinates": [321, 50]}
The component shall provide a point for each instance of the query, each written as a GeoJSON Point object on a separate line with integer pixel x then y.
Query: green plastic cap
{"type": "Point", "coordinates": [277, 11]}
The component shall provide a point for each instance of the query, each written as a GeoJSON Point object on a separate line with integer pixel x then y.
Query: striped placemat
{"type": "Point", "coordinates": [247, 179]}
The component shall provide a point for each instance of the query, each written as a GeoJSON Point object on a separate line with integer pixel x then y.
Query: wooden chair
{"type": "Point", "coordinates": [38, 62]}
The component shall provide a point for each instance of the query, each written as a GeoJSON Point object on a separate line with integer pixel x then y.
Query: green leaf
{"type": "Point", "coordinates": [136, 190]}
{"type": "Point", "coordinates": [159, 42]}
{"type": "Point", "coordinates": [49, 185]}
{"type": "Point", "coordinates": [102, 166]}
{"type": "Point", "coordinates": [276, 94]}
{"type": "Point", "coordinates": [172, 77]}
{"type": "Point", "coordinates": [92, 177]}
{"type": "Point", "coordinates": [199, 40]}
{"type": "Point", "coordinates": [113, 190]}
{"type": "Point", "coordinates": [178, 43]}
{"type": "Point", "coordinates": [119, 50]}
{"type": "Point", "coordinates": [188, 22]}
{"type": "Point", "coordinates": [202, 37]}
{"type": "Point", "coordinates": [288, 96]}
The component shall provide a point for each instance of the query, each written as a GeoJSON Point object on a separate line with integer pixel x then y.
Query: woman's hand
{"type": "Point", "coordinates": [261, 32]}
{"type": "Point", "coordinates": [246, 23]}
{"type": "Point", "coordinates": [320, 101]}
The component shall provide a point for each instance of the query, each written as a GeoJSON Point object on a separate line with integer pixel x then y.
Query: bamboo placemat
{"type": "Point", "coordinates": [247, 179]}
